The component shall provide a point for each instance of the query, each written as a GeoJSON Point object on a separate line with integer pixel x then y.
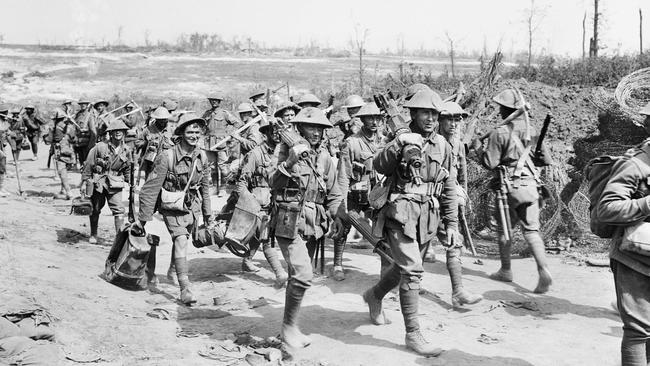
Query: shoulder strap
{"type": "Point", "coordinates": [524, 159]}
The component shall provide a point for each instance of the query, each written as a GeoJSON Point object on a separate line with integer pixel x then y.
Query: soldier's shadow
{"type": "Point", "coordinates": [220, 269]}
{"type": "Point", "coordinates": [458, 357]}
{"type": "Point", "coordinates": [70, 236]}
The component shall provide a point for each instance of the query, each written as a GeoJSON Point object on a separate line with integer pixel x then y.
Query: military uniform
{"type": "Point", "coordinates": [61, 140]}
{"type": "Point", "coordinates": [135, 124]}
{"type": "Point", "coordinates": [258, 167]}
{"type": "Point", "coordinates": [86, 133]}
{"type": "Point", "coordinates": [306, 194]}
{"type": "Point", "coordinates": [33, 123]}
{"type": "Point", "coordinates": [625, 201]}
{"type": "Point", "coordinates": [218, 119]}
{"type": "Point", "coordinates": [418, 199]}
{"type": "Point", "coordinates": [508, 148]}
{"type": "Point", "coordinates": [152, 142]}
{"type": "Point", "coordinates": [356, 177]}
{"type": "Point", "coordinates": [107, 170]}
{"type": "Point", "coordinates": [4, 127]}
{"type": "Point", "coordinates": [17, 132]}
{"type": "Point", "coordinates": [176, 171]}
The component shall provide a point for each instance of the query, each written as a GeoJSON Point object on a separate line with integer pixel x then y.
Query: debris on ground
{"type": "Point", "coordinates": [484, 338]}
{"type": "Point", "coordinates": [528, 305]}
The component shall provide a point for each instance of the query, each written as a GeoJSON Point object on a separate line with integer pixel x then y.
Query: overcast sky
{"type": "Point", "coordinates": [421, 23]}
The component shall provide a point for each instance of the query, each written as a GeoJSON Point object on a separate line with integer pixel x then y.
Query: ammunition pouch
{"type": "Point", "coordinates": [358, 193]}
{"type": "Point", "coordinates": [286, 220]}
{"type": "Point", "coordinates": [296, 194]}
{"type": "Point", "coordinates": [425, 189]}
{"type": "Point", "coordinates": [83, 138]}
{"type": "Point", "coordinates": [115, 181]}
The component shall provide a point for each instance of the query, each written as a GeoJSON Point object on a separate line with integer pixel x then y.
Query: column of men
{"type": "Point", "coordinates": [302, 186]}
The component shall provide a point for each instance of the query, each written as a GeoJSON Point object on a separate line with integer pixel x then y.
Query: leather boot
{"type": "Point", "coordinates": [409, 296]}
{"type": "Point", "coordinates": [539, 253]}
{"type": "Point", "coordinates": [290, 333]}
{"type": "Point", "coordinates": [272, 257]}
{"type": "Point", "coordinates": [504, 274]}
{"type": "Point", "coordinates": [247, 264]}
{"type": "Point", "coordinates": [119, 222]}
{"type": "Point", "coordinates": [152, 280]}
{"type": "Point", "coordinates": [182, 271]}
{"type": "Point", "coordinates": [339, 247]}
{"type": "Point", "coordinates": [171, 271]}
{"type": "Point", "coordinates": [94, 223]}
{"type": "Point", "coordinates": [459, 295]}
{"type": "Point", "coordinates": [377, 316]}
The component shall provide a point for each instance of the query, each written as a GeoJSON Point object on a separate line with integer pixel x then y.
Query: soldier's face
{"type": "Point", "coordinates": [288, 115]}
{"type": "Point", "coordinates": [371, 123]}
{"type": "Point", "coordinates": [353, 111]}
{"type": "Point", "coordinates": [425, 119]}
{"type": "Point", "coordinates": [101, 107]}
{"type": "Point", "coordinates": [117, 135]}
{"type": "Point", "coordinates": [449, 124]}
{"type": "Point", "coordinates": [215, 103]}
{"type": "Point", "coordinates": [29, 111]}
{"type": "Point", "coordinates": [246, 116]}
{"type": "Point", "coordinates": [273, 134]}
{"type": "Point", "coordinates": [192, 134]}
{"type": "Point", "coordinates": [312, 133]}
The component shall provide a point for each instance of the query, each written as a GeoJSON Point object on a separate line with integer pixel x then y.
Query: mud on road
{"type": "Point", "coordinates": [45, 256]}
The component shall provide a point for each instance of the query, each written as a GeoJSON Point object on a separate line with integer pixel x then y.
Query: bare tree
{"type": "Point", "coordinates": [120, 30]}
{"type": "Point", "coordinates": [452, 53]}
{"type": "Point", "coordinates": [593, 42]}
{"type": "Point", "coordinates": [147, 40]}
{"type": "Point", "coordinates": [534, 17]}
{"type": "Point", "coordinates": [640, 32]}
{"type": "Point", "coordinates": [360, 37]}
{"type": "Point", "coordinates": [584, 34]}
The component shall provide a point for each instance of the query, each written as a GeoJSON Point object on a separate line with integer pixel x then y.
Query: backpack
{"type": "Point", "coordinates": [127, 260]}
{"type": "Point", "coordinates": [598, 172]}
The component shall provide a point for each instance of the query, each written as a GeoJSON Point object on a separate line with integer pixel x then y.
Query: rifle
{"type": "Point", "coordinates": [458, 95]}
{"type": "Point", "coordinates": [240, 129]}
{"type": "Point", "coordinates": [20, 188]}
{"type": "Point", "coordinates": [469, 243]}
{"type": "Point", "coordinates": [504, 208]}
{"type": "Point", "coordinates": [538, 148]}
{"type": "Point", "coordinates": [330, 107]}
{"type": "Point", "coordinates": [380, 246]}
{"type": "Point", "coordinates": [514, 115]}
{"type": "Point", "coordinates": [132, 189]}
{"type": "Point", "coordinates": [287, 134]}
{"type": "Point", "coordinates": [129, 113]}
{"type": "Point", "coordinates": [398, 125]}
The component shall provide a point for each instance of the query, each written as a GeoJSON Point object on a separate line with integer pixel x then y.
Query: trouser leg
{"type": "Point", "coordinates": [272, 257]}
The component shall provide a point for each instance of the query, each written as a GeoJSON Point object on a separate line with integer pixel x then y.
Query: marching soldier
{"type": "Point", "coordinates": [102, 118]}
{"type": "Point", "coordinates": [250, 137]}
{"type": "Point", "coordinates": [132, 121]}
{"type": "Point", "coordinates": [305, 191]}
{"type": "Point", "coordinates": [106, 172]}
{"type": "Point", "coordinates": [421, 194]}
{"type": "Point", "coordinates": [352, 124]}
{"type": "Point", "coordinates": [258, 99]}
{"type": "Point", "coordinates": [308, 100]}
{"type": "Point", "coordinates": [287, 112]}
{"type": "Point", "coordinates": [61, 140]}
{"type": "Point", "coordinates": [16, 134]}
{"type": "Point", "coordinates": [4, 127]}
{"type": "Point", "coordinates": [182, 174]}
{"type": "Point", "coordinates": [356, 175]}
{"type": "Point", "coordinates": [155, 138]}
{"type": "Point", "coordinates": [33, 122]}
{"type": "Point", "coordinates": [624, 202]}
{"type": "Point", "coordinates": [86, 130]}
{"type": "Point", "coordinates": [451, 117]}
{"type": "Point", "coordinates": [508, 149]}
{"type": "Point", "coordinates": [218, 119]}
{"type": "Point", "coordinates": [257, 168]}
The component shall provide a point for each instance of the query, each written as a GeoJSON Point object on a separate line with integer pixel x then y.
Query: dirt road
{"type": "Point", "coordinates": [45, 257]}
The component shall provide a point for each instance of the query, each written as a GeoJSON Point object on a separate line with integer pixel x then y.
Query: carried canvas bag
{"type": "Point", "coordinates": [636, 239]}
{"type": "Point", "coordinates": [175, 201]}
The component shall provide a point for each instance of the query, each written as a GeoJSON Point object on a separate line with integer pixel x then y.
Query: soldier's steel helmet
{"type": "Point", "coordinates": [244, 108]}
{"type": "Point", "coordinates": [161, 113]}
{"type": "Point", "coordinates": [215, 96]}
{"type": "Point", "coordinates": [256, 94]}
{"type": "Point", "coordinates": [101, 101]}
{"type": "Point", "coordinates": [4, 109]}
{"type": "Point", "coordinates": [645, 110]}
{"type": "Point", "coordinates": [266, 123]}
{"type": "Point", "coordinates": [353, 101]}
{"type": "Point", "coordinates": [308, 98]}
{"type": "Point", "coordinates": [452, 109]}
{"type": "Point", "coordinates": [67, 101]}
{"type": "Point", "coordinates": [30, 106]}
{"type": "Point", "coordinates": [507, 98]}
{"type": "Point", "coordinates": [369, 109]}
{"type": "Point", "coordinates": [116, 125]}
{"type": "Point", "coordinates": [411, 90]}
{"type": "Point", "coordinates": [286, 105]}
{"type": "Point", "coordinates": [312, 116]}
{"type": "Point", "coordinates": [424, 99]}
{"type": "Point", "coordinates": [186, 120]}
{"type": "Point", "coordinates": [83, 101]}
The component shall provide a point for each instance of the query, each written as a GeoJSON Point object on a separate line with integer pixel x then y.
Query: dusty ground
{"type": "Point", "coordinates": [45, 256]}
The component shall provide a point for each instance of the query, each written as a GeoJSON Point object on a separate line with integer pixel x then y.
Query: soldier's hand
{"type": "Point", "coordinates": [295, 154]}
{"type": "Point", "coordinates": [410, 138]}
{"type": "Point", "coordinates": [83, 188]}
{"type": "Point", "coordinates": [453, 238]}
{"type": "Point", "coordinates": [336, 228]}
{"type": "Point", "coordinates": [137, 228]}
